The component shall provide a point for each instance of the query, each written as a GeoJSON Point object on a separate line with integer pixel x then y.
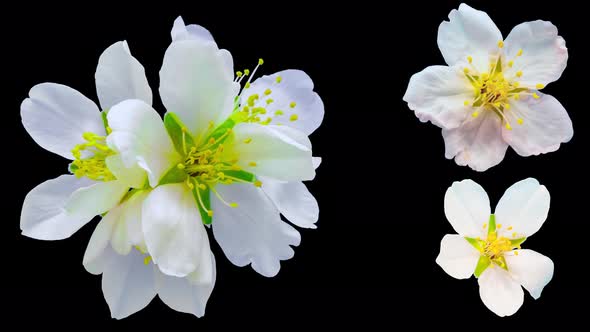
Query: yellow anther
{"type": "Point", "coordinates": [260, 62]}
{"type": "Point", "coordinates": [499, 226]}
{"type": "Point", "coordinates": [180, 166]}
{"type": "Point", "coordinates": [520, 121]}
{"type": "Point", "coordinates": [514, 234]}
{"type": "Point", "coordinates": [519, 52]}
{"type": "Point", "coordinates": [474, 114]}
{"type": "Point", "coordinates": [539, 86]}
{"type": "Point", "coordinates": [247, 85]}
{"type": "Point", "coordinates": [508, 126]}
{"type": "Point", "coordinates": [248, 140]}
{"type": "Point", "coordinates": [519, 73]}
{"type": "Point", "coordinates": [246, 72]}
{"type": "Point", "coordinates": [211, 124]}
{"type": "Point", "coordinates": [469, 59]}
{"type": "Point", "coordinates": [252, 164]}
{"type": "Point", "coordinates": [279, 112]}
{"type": "Point", "coordinates": [485, 76]}
{"type": "Point", "coordinates": [190, 185]}
{"type": "Point", "coordinates": [267, 92]}
{"type": "Point", "coordinates": [235, 167]}
{"type": "Point", "coordinates": [509, 228]}
{"type": "Point", "coordinates": [293, 117]}
{"type": "Point", "coordinates": [210, 213]}
{"type": "Point", "coordinates": [506, 106]}
{"type": "Point", "coordinates": [466, 103]}
{"type": "Point", "coordinates": [516, 84]}
{"type": "Point", "coordinates": [257, 183]}
{"type": "Point", "coordinates": [292, 104]}
{"type": "Point", "coordinates": [515, 253]}
{"type": "Point", "coordinates": [202, 186]}
{"type": "Point", "coordinates": [485, 226]}
{"type": "Point", "coordinates": [212, 140]}
{"type": "Point", "coordinates": [279, 79]}
{"type": "Point", "coordinates": [239, 73]}
{"type": "Point", "coordinates": [501, 44]}
{"type": "Point", "coordinates": [510, 63]}
{"type": "Point", "coordinates": [535, 95]}
{"type": "Point", "coordinates": [466, 70]}
{"type": "Point", "coordinates": [234, 205]}
{"type": "Point", "coordinates": [516, 96]}
{"type": "Point", "coordinates": [269, 100]}
{"type": "Point", "coordinates": [147, 260]}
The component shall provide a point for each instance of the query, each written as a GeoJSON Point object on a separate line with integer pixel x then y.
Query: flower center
{"type": "Point", "coordinates": [495, 246]}
{"type": "Point", "coordinates": [493, 91]}
{"type": "Point", "coordinates": [90, 158]}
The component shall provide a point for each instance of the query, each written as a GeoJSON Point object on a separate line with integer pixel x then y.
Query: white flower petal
{"type": "Point", "coordinates": [457, 257]}
{"type": "Point", "coordinates": [275, 154]}
{"type": "Point", "coordinates": [545, 126]}
{"type": "Point", "coordinates": [43, 215]}
{"type": "Point", "coordinates": [544, 55]}
{"type": "Point", "coordinates": [140, 137]}
{"type": "Point", "coordinates": [119, 76]}
{"type": "Point", "coordinates": [181, 294]}
{"type": "Point", "coordinates": [295, 86]}
{"type": "Point", "coordinates": [180, 31]}
{"type": "Point", "coordinates": [98, 252]}
{"type": "Point", "coordinates": [467, 208]}
{"type": "Point", "coordinates": [531, 269]}
{"type": "Point", "coordinates": [253, 232]}
{"type": "Point", "coordinates": [56, 117]}
{"type": "Point", "coordinates": [524, 207]}
{"type": "Point", "coordinates": [173, 229]}
{"type": "Point", "coordinates": [317, 161]}
{"type": "Point", "coordinates": [128, 284]}
{"type": "Point", "coordinates": [133, 177]}
{"type": "Point", "coordinates": [469, 32]}
{"type": "Point", "coordinates": [477, 143]}
{"type": "Point", "coordinates": [293, 200]}
{"type": "Point", "coordinates": [438, 94]}
{"type": "Point", "coordinates": [96, 199]}
{"type": "Point", "coordinates": [499, 292]}
{"type": "Point", "coordinates": [128, 231]}
{"type": "Point", "coordinates": [196, 84]}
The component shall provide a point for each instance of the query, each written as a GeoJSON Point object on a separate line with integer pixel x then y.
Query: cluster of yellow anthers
{"type": "Point", "coordinates": [495, 246]}
{"type": "Point", "coordinates": [493, 90]}
{"type": "Point", "coordinates": [254, 107]}
{"type": "Point", "coordinates": [90, 158]}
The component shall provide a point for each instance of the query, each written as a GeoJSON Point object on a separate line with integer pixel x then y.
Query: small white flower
{"type": "Point", "coordinates": [237, 157]}
{"type": "Point", "coordinates": [63, 121]}
{"type": "Point", "coordinates": [488, 245]}
{"type": "Point", "coordinates": [488, 96]}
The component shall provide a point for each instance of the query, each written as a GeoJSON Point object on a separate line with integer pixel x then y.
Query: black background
{"type": "Point", "coordinates": [380, 187]}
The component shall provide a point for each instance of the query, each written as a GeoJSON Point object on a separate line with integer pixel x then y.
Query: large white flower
{"type": "Point", "coordinates": [488, 96]}
{"type": "Point", "coordinates": [488, 245]}
{"type": "Point", "coordinates": [63, 121]}
{"type": "Point", "coordinates": [239, 157]}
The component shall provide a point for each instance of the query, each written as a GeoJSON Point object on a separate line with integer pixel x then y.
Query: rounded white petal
{"type": "Point", "coordinates": [253, 232]}
{"type": "Point", "coordinates": [140, 137]}
{"type": "Point", "coordinates": [128, 284]}
{"type": "Point", "coordinates": [524, 207]}
{"type": "Point", "coordinates": [43, 215]}
{"type": "Point", "coordinates": [457, 257]}
{"type": "Point", "coordinates": [317, 161]}
{"type": "Point", "coordinates": [128, 231]}
{"type": "Point", "coordinates": [181, 294]}
{"type": "Point", "coordinates": [438, 94]}
{"type": "Point", "coordinates": [98, 252]}
{"type": "Point", "coordinates": [180, 31]}
{"type": "Point", "coordinates": [274, 153]}
{"type": "Point", "coordinates": [531, 269]}
{"type": "Point", "coordinates": [119, 76]}
{"type": "Point", "coordinates": [56, 117]}
{"type": "Point", "coordinates": [295, 86]}
{"type": "Point", "coordinates": [469, 32]}
{"type": "Point", "coordinates": [96, 199]}
{"type": "Point", "coordinates": [133, 177]}
{"type": "Point", "coordinates": [173, 229]}
{"type": "Point", "coordinates": [196, 84]}
{"type": "Point", "coordinates": [545, 126]}
{"type": "Point", "coordinates": [544, 55]}
{"type": "Point", "coordinates": [293, 200]}
{"type": "Point", "coordinates": [467, 208]}
{"type": "Point", "coordinates": [499, 292]}
{"type": "Point", "coordinates": [477, 143]}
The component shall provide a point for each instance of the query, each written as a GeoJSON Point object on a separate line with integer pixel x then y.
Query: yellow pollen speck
{"type": "Point", "coordinates": [180, 166]}
{"type": "Point", "coordinates": [279, 79]}
{"type": "Point", "coordinates": [519, 52]}
{"type": "Point", "coordinates": [246, 72]}
{"type": "Point", "coordinates": [515, 253]}
{"type": "Point", "coordinates": [279, 112]}
{"type": "Point", "coordinates": [510, 63]}
{"type": "Point", "coordinates": [293, 117]}
{"type": "Point", "coordinates": [485, 226]}
{"type": "Point", "coordinates": [509, 228]}
{"type": "Point", "coordinates": [269, 100]}
{"type": "Point", "coordinates": [500, 44]}
{"type": "Point", "coordinates": [466, 103]}
{"type": "Point", "coordinates": [516, 84]}
{"type": "Point", "coordinates": [292, 104]}
{"type": "Point", "coordinates": [234, 205]}
{"type": "Point", "coordinates": [474, 114]}
{"type": "Point", "coordinates": [535, 95]}
{"type": "Point", "coordinates": [516, 96]}
{"type": "Point", "coordinates": [520, 121]}
{"type": "Point", "coordinates": [519, 73]}
{"type": "Point", "coordinates": [247, 85]}
{"type": "Point", "coordinates": [252, 164]}
{"type": "Point", "coordinates": [267, 92]}
{"type": "Point", "coordinates": [509, 128]}
{"type": "Point", "coordinates": [539, 86]}
{"type": "Point", "coordinates": [248, 140]}
{"type": "Point", "coordinates": [506, 106]}
{"type": "Point", "coordinates": [212, 140]}
{"type": "Point", "coordinates": [210, 213]}
{"type": "Point", "coordinates": [147, 260]}
{"type": "Point", "coordinates": [257, 183]}
{"type": "Point", "coordinates": [239, 74]}
{"type": "Point", "coordinates": [499, 226]}
{"type": "Point", "coordinates": [466, 70]}
{"type": "Point", "coordinates": [469, 59]}
{"type": "Point", "coordinates": [514, 234]}
{"type": "Point", "coordinates": [260, 62]}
